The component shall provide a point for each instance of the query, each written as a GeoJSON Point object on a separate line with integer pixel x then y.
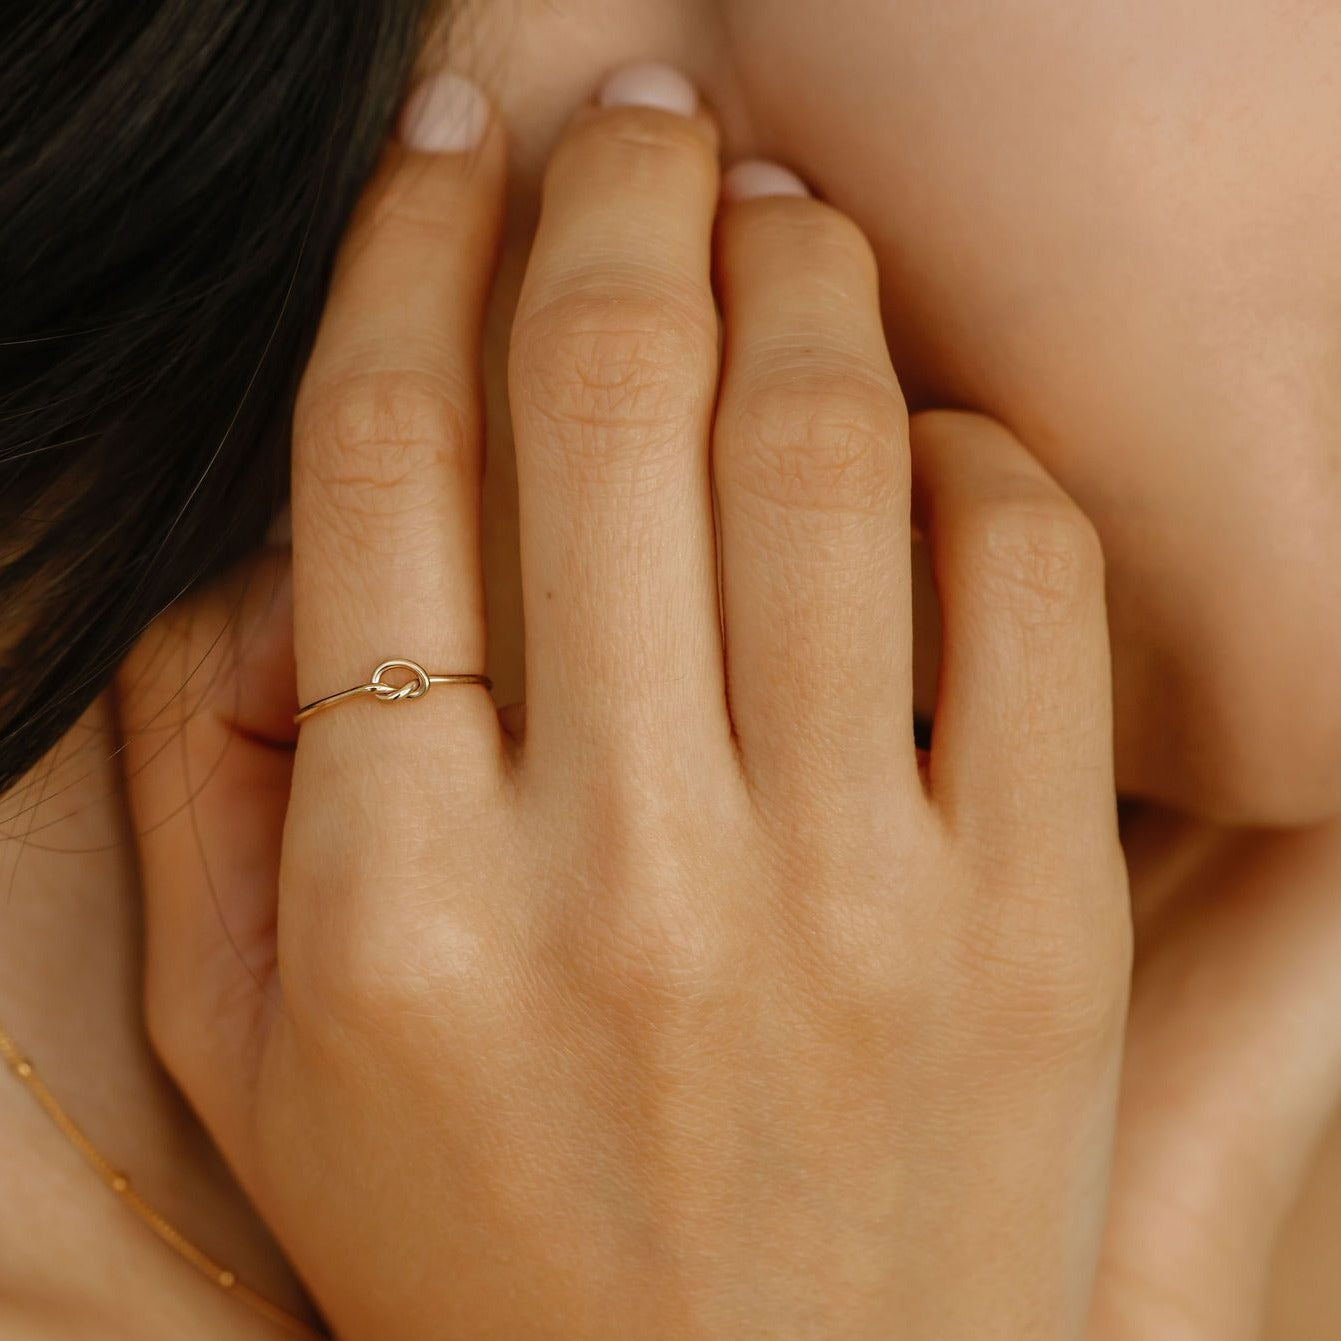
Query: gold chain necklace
{"type": "Point", "coordinates": [225, 1279]}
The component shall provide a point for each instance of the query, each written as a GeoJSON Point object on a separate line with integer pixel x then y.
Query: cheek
{"type": "Point", "coordinates": [1227, 645]}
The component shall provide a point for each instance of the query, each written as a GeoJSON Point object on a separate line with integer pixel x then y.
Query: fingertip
{"type": "Point", "coordinates": [650, 84]}
{"type": "Point", "coordinates": [446, 113]}
{"type": "Point", "coordinates": [650, 88]}
{"type": "Point", "coordinates": [756, 178]}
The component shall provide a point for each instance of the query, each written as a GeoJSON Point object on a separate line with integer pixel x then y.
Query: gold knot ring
{"type": "Point", "coordinates": [390, 693]}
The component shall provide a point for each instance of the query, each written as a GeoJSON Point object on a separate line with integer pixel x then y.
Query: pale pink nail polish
{"type": "Point", "coordinates": [650, 84]}
{"type": "Point", "coordinates": [754, 177]}
{"type": "Point", "coordinates": [446, 114]}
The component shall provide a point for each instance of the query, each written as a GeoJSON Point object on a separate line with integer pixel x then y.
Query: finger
{"type": "Point", "coordinates": [1023, 724]}
{"type": "Point", "coordinates": [387, 436]}
{"type": "Point", "coordinates": [206, 703]}
{"type": "Point", "coordinates": [810, 460]}
{"type": "Point", "coordinates": [612, 379]}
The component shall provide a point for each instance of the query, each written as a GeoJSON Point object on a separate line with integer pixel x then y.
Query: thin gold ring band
{"type": "Point", "coordinates": [413, 688]}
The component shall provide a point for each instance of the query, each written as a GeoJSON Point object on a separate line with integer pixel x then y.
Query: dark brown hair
{"type": "Point", "coordinates": [175, 176]}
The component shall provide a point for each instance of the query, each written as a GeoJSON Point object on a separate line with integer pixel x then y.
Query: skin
{"type": "Point", "coordinates": [1207, 1165]}
{"type": "Point", "coordinates": [706, 1005]}
{"type": "Point", "coordinates": [73, 1263]}
{"type": "Point", "coordinates": [552, 61]}
{"type": "Point", "coordinates": [1088, 228]}
{"type": "Point", "coordinates": [1113, 228]}
{"type": "Point", "coordinates": [1220, 1227]}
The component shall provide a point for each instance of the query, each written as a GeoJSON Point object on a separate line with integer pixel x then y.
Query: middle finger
{"type": "Point", "coordinates": [612, 379]}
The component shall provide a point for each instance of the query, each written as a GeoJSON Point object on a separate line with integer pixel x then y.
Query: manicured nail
{"type": "Point", "coordinates": [753, 177]}
{"type": "Point", "coordinates": [445, 114]}
{"type": "Point", "coordinates": [650, 84]}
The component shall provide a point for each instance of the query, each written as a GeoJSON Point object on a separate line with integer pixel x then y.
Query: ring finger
{"type": "Point", "coordinates": [387, 432]}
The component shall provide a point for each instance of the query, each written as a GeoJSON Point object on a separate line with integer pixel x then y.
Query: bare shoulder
{"type": "Point", "coordinates": [1306, 1288]}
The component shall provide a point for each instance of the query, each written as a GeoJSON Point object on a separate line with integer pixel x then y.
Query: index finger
{"type": "Point", "coordinates": [387, 440]}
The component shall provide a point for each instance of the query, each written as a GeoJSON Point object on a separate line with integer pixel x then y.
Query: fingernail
{"type": "Point", "coordinates": [754, 177]}
{"type": "Point", "coordinates": [445, 114]}
{"type": "Point", "coordinates": [650, 84]}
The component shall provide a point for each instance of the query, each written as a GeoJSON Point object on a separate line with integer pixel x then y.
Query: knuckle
{"type": "Point", "coordinates": [857, 938]}
{"type": "Point", "coordinates": [343, 970]}
{"type": "Point", "coordinates": [375, 438]}
{"type": "Point", "coordinates": [826, 237]}
{"type": "Point", "coordinates": [391, 939]}
{"type": "Point", "coordinates": [604, 353]}
{"type": "Point", "coordinates": [591, 359]}
{"type": "Point", "coordinates": [817, 439]}
{"type": "Point", "coordinates": [1052, 971]}
{"type": "Point", "coordinates": [650, 948]}
{"type": "Point", "coordinates": [414, 201]}
{"type": "Point", "coordinates": [365, 970]}
{"type": "Point", "coordinates": [637, 147]}
{"type": "Point", "coordinates": [858, 956]}
{"type": "Point", "coordinates": [357, 957]}
{"type": "Point", "coordinates": [402, 214]}
{"type": "Point", "coordinates": [1039, 555]}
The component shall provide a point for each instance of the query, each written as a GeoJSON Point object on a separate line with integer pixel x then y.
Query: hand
{"type": "Point", "coordinates": [696, 1007]}
{"type": "Point", "coordinates": [1233, 1072]}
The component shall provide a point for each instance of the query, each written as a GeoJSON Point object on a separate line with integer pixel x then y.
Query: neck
{"type": "Point", "coordinates": [70, 939]}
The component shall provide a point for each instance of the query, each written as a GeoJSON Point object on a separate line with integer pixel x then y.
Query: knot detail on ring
{"type": "Point", "coordinates": [415, 687]}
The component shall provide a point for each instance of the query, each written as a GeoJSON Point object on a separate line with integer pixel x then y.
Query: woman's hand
{"type": "Point", "coordinates": [696, 1005]}
{"type": "Point", "coordinates": [1233, 1072]}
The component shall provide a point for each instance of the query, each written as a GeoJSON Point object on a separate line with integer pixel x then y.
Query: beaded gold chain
{"type": "Point", "coordinates": [226, 1280]}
